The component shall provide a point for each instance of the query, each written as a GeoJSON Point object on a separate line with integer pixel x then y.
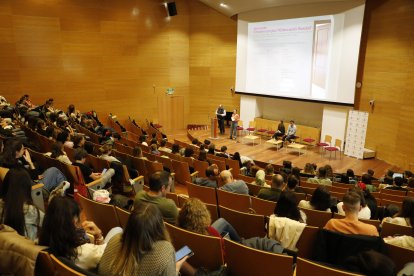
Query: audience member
{"type": "Point", "coordinates": [405, 216]}
{"type": "Point", "coordinates": [66, 236]}
{"type": "Point", "coordinates": [231, 185]}
{"type": "Point", "coordinates": [321, 178]}
{"type": "Point", "coordinates": [223, 152]}
{"type": "Point", "coordinates": [364, 212]}
{"type": "Point", "coordinates": [160, 185]}
{"type": "Point", "coordinates": [292, 185]}
{"type": "Point", "coordinates": [320, 201]}
{"type": "Point", "coordinates": [397, 184]}
{"type": "Point", "coordinates": [163, 147]}
{"type": "Point", "coordinates": [308, 170]}
{"type": "Point", "coordinates": [210, 180]}
{"type": "Point", "coordinates": [58, 152]}
{"type": "Point", "coordinates": [272, 193]}
{"type": "Point", "coordinates": [16, 205]}
{"type": "Point", "coordinates": [175, 149]}
{"type": "Point", "coordinates": [106, 151]}
{"type": "Point", "coordinates": [88, 175]}
{"type": "Point", "coordinates": [287, 167]}
{"type": "Point", "coordinates": [287, 207]}
{"type": "Point", "coordinates": [350, 224]}
{"type": "Point", "coordinates": [269, 170]}
{"type": "Point", "coordinates": [143, 249]}
{"type": "Point", "coordinates": [260, 179]}
{"type": "Point", "coordinates": [195, 217]}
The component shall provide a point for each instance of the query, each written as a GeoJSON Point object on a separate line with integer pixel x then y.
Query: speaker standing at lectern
{"type": "Point", "coordinates": [221, 113]}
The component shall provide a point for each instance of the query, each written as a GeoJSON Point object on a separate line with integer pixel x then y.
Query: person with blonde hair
{"type": "Point", "coordinates": [195, 217]}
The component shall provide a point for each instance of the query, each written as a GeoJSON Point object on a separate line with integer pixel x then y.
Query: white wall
{"type": "Point", "coordinates": [334, 123]}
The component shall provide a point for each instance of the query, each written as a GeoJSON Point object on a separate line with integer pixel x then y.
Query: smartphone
{"type": "Point", "coordinates": [104, 171]}
{"type": "Point", "coordinates": [185, 251]}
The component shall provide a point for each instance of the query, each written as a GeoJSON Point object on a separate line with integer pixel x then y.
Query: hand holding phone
{"type": "Point", "coordinates": [183, 252]}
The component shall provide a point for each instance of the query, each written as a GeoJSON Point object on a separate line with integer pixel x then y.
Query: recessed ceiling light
{"type": "Point", "coordinates": [223, 5]}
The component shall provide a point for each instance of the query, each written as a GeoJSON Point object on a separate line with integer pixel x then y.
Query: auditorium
{"type": "Point", "coordinates": [206, 137]}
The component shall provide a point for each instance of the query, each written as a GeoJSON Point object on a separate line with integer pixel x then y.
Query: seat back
{"type": "Point", "coordinates": [253, 189]}
{"type": "Point", "coordinates": [63, 270]}
{"type": "Point", "coordinates": [317, 218]}
{"type": "Point", "coordinates": [243, 260]}
{"type": "Point", "coordinates": [328, 139]}
{"type": "Point", "coordinates": [104, 215]}
{"type": "Point", "coordinates": [309, 268]}
{"type": "Point", "coordinates": [233, 201]}
{"type": "Point", "coordinates": [246, 225]}
{"type": "Point", "coordinates": [392, 192]}
{"type": "Point", "coordinates": [207, 249]}
{"type": "Point", "coordinates": [391, 229]}
{"type": "Point", "coordinates": [122, 215]}
{"type": "Point", "coordinates": [307, 241]}
{"type": "Point", "coordinates": [399, 255]}
{"type": "Point", "coordinates": [263, 207]}
{"type": "Point", "coordinates": [212, 208]}
{"type": "Point", "coordinates": [201, 167]}
{"type": "Point", "coordinates": [182, 172]}
{"type": "Point", "coordinates": [205, 194]}
{"type": "Point", "coordinates": [44, 264]}
{"type": "Point", "coordinates": [233, 165]}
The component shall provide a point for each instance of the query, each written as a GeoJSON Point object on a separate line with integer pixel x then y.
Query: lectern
{"type": "Point", "coordinates": [214, 127]}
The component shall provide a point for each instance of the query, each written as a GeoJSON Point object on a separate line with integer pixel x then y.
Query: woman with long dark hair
{"type": "Point", "coordinates": [66, 237]}
{"type": "Point", "coordinates": [321, 200]}
{"type": "Point", "coordinates": [16, 205]}
{"type": "Point", "coordinates": [287, 207]}
{"type": "Point", "coordinates": [58, 152]}
{"type": "Point", "coordinates": [405, 216]}
{"type": "Point", "coordinates": [15, 155]}
{"type": "Point", "coordinates": [143, 249]}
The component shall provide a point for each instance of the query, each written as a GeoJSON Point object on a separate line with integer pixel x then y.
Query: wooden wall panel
{"type": "Point", "coordinates": [212, 62]}
{"type": "Point", "coordinates": [387, 78]}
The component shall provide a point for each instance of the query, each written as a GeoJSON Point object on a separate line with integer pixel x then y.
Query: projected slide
{"type": "Point", "coordinates": [311, 58]}
{"type": "Point", "coordinates": [288, 56]}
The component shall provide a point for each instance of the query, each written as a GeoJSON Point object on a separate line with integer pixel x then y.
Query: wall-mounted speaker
{"type": "Point", "coordinates": [172, 9]}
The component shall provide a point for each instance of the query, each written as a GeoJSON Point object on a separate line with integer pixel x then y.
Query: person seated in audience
{"type": "Point", "coordinates": [398, 182]}
{"type": "Point", "coordinates": [260, 179]}
{"type": "Point", "coordinates": [364, 212]}
{"type": "Point", "coordinates": [366, 184]}
{"type": "Point", "coordinates": [371, 173]}
{"type": "Point", "coordinates": [237, 157]}
{"type": "Point", "coordinates": [66, 236]}
{"type": "Point", "coordinates": [292, 185]}
{"type": "Point", "coordinates": [58, 152]}
{"type": "Point", "coordinates": [73, 114]}
{"type": "Point", "coordinates": [210, 180]}
{"type": "Point", "coordinates": [106, 151]}
{"type": "Point", "coordinates": [410, 183]}
{"type": "Point", "coordinates": [231, 185]}
{"type": "Point", "coordinates": [329, 172]}
{"type": "Point", "coordinates": [63, 124]}
{"type": "Point", "coordinates": [287, 207]}
{"type": "Point", "coordinates": [321, 178]}
{"type": "Point", "coordinates": [175, 149]}
{"type": "Point", "coordinates": [402, 241]}
{"type": "Point", "coordinates": [144, 248]}
{"type": "Point", "coordinates": [154, 149]}
{"type": "Point", "coordinates": [16, 156]}
{"type": "Point", "coordinates": [407, 176]}
{"type": "Point", "coordinates": [64, 138]}
{"type": "Point", "coordinates": [16, 205]}
{"type": "Point", "coordinates": [320, 201]}
{"type": "Point", "coordinates": [195, 217]}
{"type": "Point", "coordinates": [211, 149]}
{"type": "Point", "coordinates": [388, 177]}
{"type": "Point", "coordinates": [253, 170]}
{"type": "Point", "coordinates": [308, 170]}
{"type": "Point", "coordinates": [143, 140]}
{"type": "Point", "coordinates": [195, 143]}
{"type": "Point", "coordinates": [223, 152]}
{"type": "Point", "coordinates": [202, 156]}
{"type": "Point", "coordinates": [43, 129]}
{"type": "Point", "coordinates": [352, 179]}
{"type": "Point", "coordinates": [163, 147]}
{"type": "Point", "coordinates": [287, 167]}
{"type": "Point", "coordinates": [79, 141]}
{"type": "Point", "coordinates": [269, 170]}
{"type": "Point", "coordinates": [272, 193]}
{"type": "Point", "coordinates": [189, 152]}
{"type": "Point", "coordinates": [350, 224]}
{"type": "Point", "coordinates": [405, 216]}
{"type": "Point", "coordinates": [296, 172]}
{"type": "Point", "coordinates": [88, 174]}
{"type": "Point", "coordinates": [160, 184]}
{"type": "Point", "coordinates": [137, 152]}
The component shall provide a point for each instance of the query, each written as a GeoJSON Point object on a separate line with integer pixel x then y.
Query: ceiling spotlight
{"type": "Point", "coordinates": [223, 5]}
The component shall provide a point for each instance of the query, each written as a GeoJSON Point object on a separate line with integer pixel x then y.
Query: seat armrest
{"type": "Point", "coordinates": [138, 184]}
{"type": "Point", "coordinates": [193, 176]}
{"type": "Point", "coordinates": [172, 189]}
{"type": "Point", "coordinates": [93, 186]}
{"type": "Point", "coordinates": [37, 196]}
